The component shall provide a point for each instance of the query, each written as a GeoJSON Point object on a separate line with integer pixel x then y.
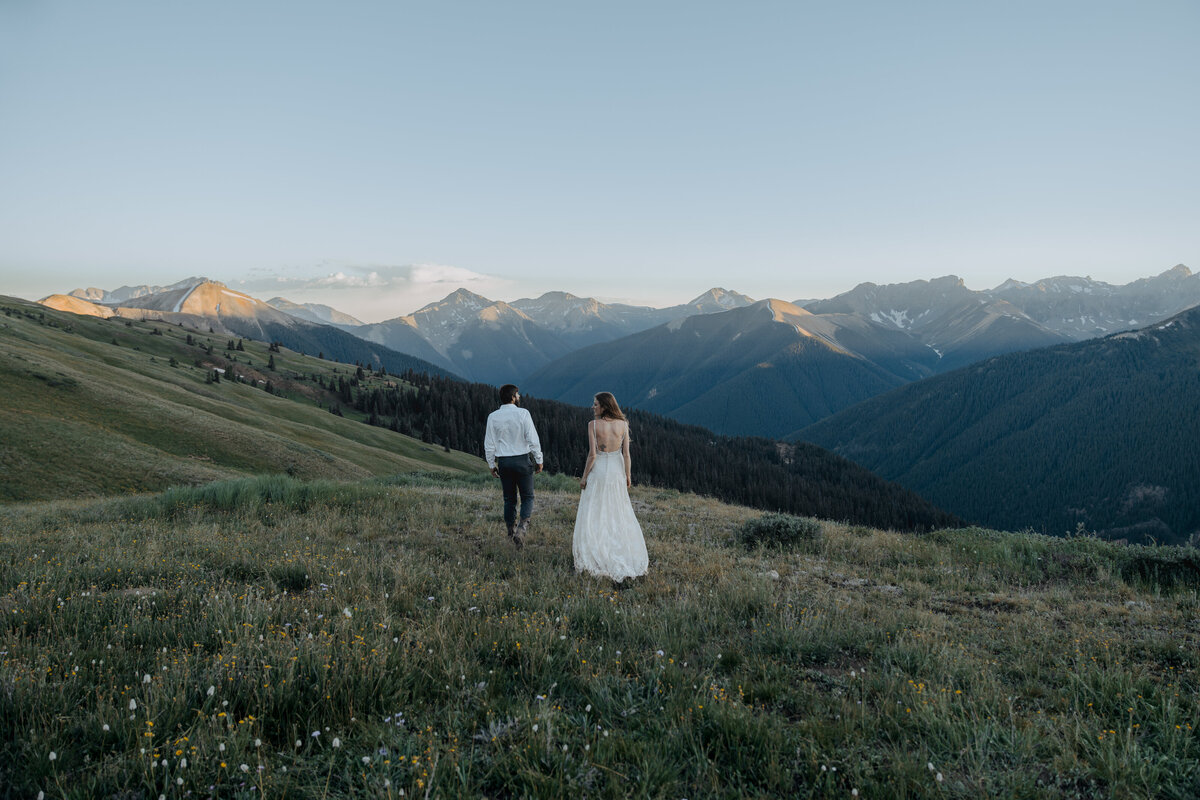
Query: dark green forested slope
{"type": "Point", "coordinates": [800, 479]}
{"type": "Point", "coordinates": [1104, 433]}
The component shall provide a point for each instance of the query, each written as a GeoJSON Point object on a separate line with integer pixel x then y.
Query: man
{"type": "Point", "coordinates": [513, 454]}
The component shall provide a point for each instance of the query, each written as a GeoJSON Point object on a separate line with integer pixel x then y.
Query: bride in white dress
{"type": "Point", "coordinates": [608, 539]}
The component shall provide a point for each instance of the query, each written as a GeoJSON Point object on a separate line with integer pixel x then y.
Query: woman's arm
{"type": "Point", "coordinates": [587, 468]}
{"type": "Point", "coordinates": [628, 461]}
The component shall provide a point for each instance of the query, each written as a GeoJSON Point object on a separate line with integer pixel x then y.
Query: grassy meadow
{"type": "Point", "coordinates": [94, 407]}
{"type": "Point", "coordinates": [286, 638]}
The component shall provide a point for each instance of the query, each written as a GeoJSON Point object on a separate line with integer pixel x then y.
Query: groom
{"type": "Point", "coordinates": [513, 454]}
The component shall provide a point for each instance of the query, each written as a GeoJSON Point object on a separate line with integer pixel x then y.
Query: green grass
{"type": "Point", "coordinates": [364, 638]}
{"type": "Point", "coordinates": [95, 407]}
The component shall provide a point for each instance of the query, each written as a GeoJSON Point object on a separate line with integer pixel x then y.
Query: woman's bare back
{"type": "Point", "coordinates": [610, 434]}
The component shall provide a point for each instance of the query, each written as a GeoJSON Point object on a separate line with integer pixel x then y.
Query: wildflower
{"type": "Point", "coordinates": [366, 759]}
{"type": "Point", "coordinates": [316, 734]}
{"type": "Point", "coordinates": [347, 612]}
{"type": "Point", "coordinates": [146, 678]}
{"type": "Point", "coordinates": [53, 755]}
{"type": "Point", "coordinates": [244, 768]}
{"type": "Point", "coordinates": [221, 747]}
{"type": "Point", "coordinates": [258, 742]}
{"type": "Point", "coordinates": [337, 742]}
{"type": "Point", "coordinates": [211, 689]}
{"type": "Point", "coordinates": [939, 777]}
{"type": "Point", "coordinates": [132, 705]}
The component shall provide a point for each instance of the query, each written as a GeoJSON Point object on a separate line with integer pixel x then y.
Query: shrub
{"type": "Point", "coordinates": [1164, 568]}
{"type": "Point", "coordinates": [779, 530]}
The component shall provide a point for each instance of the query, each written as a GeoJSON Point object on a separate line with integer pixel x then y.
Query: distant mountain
{"type": "Point", "coordinates": [491, 341]}
{"type": "Point", "coordinates": [1081, 308]}
{"type": "Point", "coordinates": [1101, 433]}
{"type": "Point", "coordinates": [960, 325]}
{"type": "Point", "coordinates": [315, 312]}
{"type": "Point", "coordinates": [210, 305]}
{"type": "Point", "coordinates": [76, 304]}
{"type": "Point", "coordinates": [126, 293]}
{"type": "Point", "coordinates": [481, 339]}
{"type": "Point", "coordinates": [749, 371]}
{"type": "Point", "coordinates": [582, 321]}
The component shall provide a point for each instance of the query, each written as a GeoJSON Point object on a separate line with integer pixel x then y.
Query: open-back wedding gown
{"type": "Point", "coordinates": [608, 540]}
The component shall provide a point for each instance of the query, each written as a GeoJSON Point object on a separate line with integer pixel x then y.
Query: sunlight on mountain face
{"type": "Point", "coordinates": [75, 305]}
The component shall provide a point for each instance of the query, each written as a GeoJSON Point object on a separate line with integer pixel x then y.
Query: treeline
{"type": "Point", "coordinates": [798, 479]}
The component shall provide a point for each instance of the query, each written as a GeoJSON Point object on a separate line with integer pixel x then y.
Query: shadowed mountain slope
{"type": "Point", "coordinates": [1101, 433]}
{"type": "Point", "coordinates": [749, 371]}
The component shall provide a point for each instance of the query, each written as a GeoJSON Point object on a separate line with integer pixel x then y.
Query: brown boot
{"type": "Point", "coordinates": [514, 535]}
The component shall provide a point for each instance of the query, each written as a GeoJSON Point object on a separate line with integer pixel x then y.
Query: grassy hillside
{"type": "Point", "coordinates": [94, 407]}
{"type": "Point", "coordinates": [276, 638]}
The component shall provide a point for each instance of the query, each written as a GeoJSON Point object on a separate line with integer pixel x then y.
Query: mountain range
{"type": "Point", "coordinates": [98, 405]}
{"type": "Point", "coordinates": [209, 306]}
{"type": "Point", "coordinates": [781, 367]}
{"type": "Point", "coordinates": [1002, 406]}
{"type": "Point", "coordinates": [496, 342]}
{"type": "Point", "coordinates": [1099, 435]}
{"type": "Point", "coordinates": [768, 371]}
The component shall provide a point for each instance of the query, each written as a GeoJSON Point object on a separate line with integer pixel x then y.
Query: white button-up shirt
{"type": "Point", "coordinates": [510, 432]}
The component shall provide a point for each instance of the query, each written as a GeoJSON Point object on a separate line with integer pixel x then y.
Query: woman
{"type": "Point", "coordinates": [608, 539]}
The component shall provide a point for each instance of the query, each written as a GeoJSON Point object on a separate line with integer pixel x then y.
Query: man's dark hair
{"type": "Point", "coordinates": [507, 392]}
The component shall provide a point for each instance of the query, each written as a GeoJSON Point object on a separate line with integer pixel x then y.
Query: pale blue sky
{"type": "Point", "coordinates": [644, 151]}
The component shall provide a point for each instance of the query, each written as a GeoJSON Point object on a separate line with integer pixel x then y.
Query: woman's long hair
{"type": "Point", "coordinates": [608, 406]}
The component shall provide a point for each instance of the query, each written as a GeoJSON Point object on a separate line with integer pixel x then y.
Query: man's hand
{"type": "Point", "coordinates": [495, 472]}
{"type": "Point", "coordinates": [539, 468]}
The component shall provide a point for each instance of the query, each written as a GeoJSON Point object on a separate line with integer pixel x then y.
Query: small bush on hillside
{"type": "Point", "coordinates": [1164, 568]}
{"type": "Point", "coordinates": [779, 530]}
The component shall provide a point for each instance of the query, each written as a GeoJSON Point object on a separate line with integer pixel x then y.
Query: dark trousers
{"type": "Point", "coordinates": [516, 475]}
